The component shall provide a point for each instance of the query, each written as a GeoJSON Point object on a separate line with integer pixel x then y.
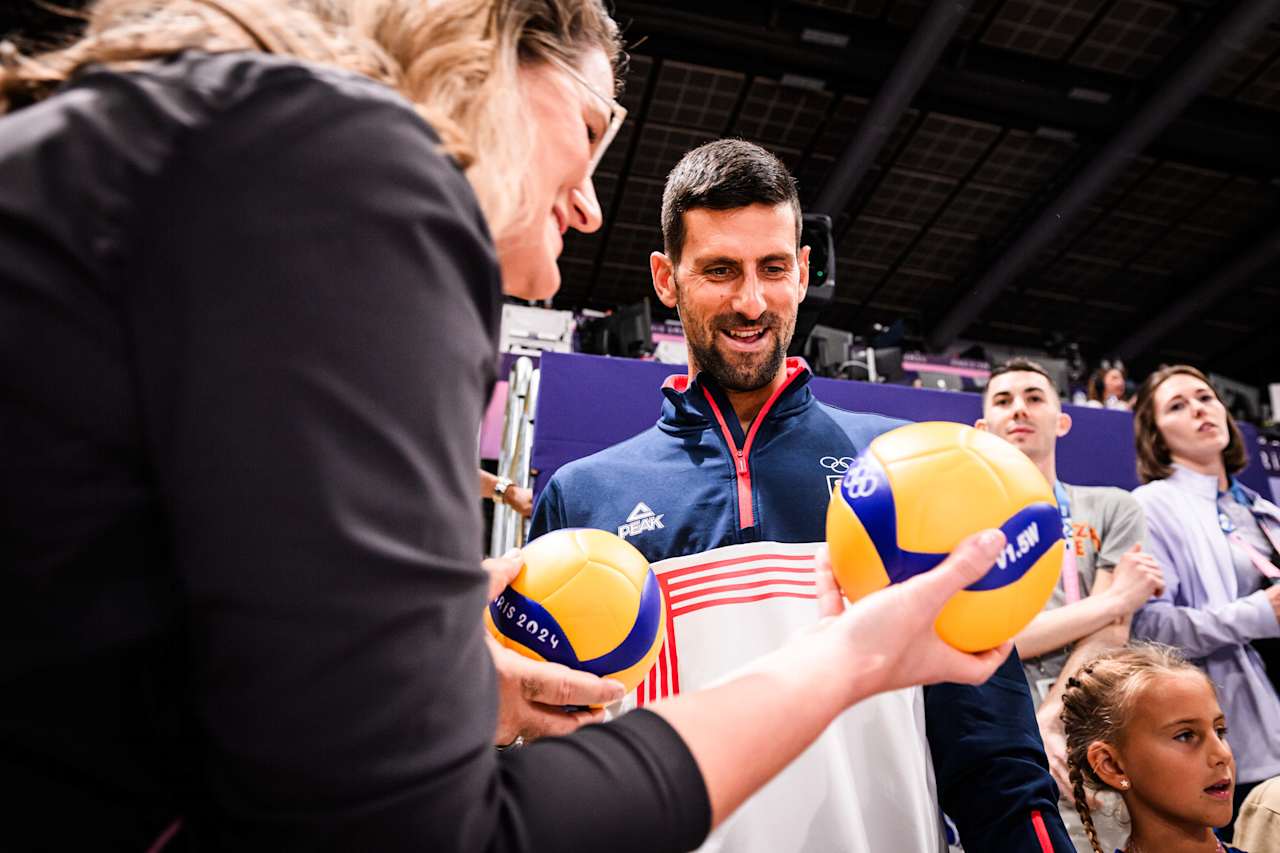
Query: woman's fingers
{"type": "Point", "coordinates": [967, 564]}
{"type": "Point", "coordinates": [502, 571]}
{"type": "Point", "coordinates": [830, 598]}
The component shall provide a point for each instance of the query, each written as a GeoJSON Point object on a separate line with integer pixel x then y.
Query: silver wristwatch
{"type": "Point", "coordinates": [500, 489]}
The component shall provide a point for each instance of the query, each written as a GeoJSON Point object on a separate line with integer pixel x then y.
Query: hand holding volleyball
{"type": "Point", "coordinates": [887, 638]}
{"type": "Point", "coordinates": [915, 493]}
{"type": "Point", "coordinates": [585, 599]}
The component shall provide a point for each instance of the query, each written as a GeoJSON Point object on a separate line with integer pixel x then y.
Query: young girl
{"type": "Point", "coordinates": [1145, 723]}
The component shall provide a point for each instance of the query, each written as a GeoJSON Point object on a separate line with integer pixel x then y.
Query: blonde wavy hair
{"type": "Point", "coordinates": [456, 61]}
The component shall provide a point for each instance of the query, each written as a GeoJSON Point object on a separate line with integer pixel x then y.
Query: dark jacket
{"type": "Point", "coordinates": [247, 328]}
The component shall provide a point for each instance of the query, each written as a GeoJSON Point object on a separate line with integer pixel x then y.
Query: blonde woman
{"type": "Point", "coordinates": [251, 257]}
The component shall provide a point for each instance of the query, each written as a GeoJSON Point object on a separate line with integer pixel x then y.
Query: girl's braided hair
{"type": "Point", "coordinates": [1097, 704]}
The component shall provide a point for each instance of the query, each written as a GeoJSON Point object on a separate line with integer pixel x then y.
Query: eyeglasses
{"type": "Point", "coordinates": [617, 113]}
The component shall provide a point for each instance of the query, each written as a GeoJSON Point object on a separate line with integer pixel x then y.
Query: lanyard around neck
{"type": "Point", "coordinates": [1260, 562]}
{"type": "Point", "coordinates": [1070, 574]}
{"type": "Point", "coordinates": [1064, 508]}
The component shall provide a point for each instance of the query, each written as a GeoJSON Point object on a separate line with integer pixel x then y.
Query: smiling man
{"type": "Point", "coordinates": [727, 496]}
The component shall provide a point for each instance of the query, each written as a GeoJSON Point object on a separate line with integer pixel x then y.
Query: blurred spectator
{"type": "Point", "coordinates": [1215, 539]}
{"type": "Point", "coordinates": [1258, 825]}
{"type": "Point", "coordinates": [1108, 387]}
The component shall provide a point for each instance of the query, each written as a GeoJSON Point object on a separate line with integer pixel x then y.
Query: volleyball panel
{"type": "Point", "coordinates": [855, 562]}
{"type": "Point", "coordinates": [597, 607]}
{"type": "Point", "coordinates": [976, 620]}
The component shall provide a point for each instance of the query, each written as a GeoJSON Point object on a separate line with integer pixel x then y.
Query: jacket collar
{"type": "Point", "coordinates": [1200, 485]}
{"type": "Point", "coordinates": [686, 406]}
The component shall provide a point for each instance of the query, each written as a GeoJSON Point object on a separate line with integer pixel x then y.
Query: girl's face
{"type": "Point", "coordinates": [1174, 754]}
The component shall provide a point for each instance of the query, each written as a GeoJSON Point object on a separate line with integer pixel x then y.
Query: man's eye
{"type": "Point", "coordinates": [717, 272]}
{"type": "Point", "coordinates": [592, 135]}
{"type": "Point", "coordinates": [1184, 736]}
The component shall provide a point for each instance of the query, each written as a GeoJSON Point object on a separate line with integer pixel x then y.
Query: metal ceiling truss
{"type": "Point", "coordinates": [1197, 300]}
{"type": "Point", "coordinates": [1222, 45]}
{"type": "Point", "coordinates": [971, 81]}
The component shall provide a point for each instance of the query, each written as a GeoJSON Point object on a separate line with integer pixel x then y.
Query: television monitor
{"type": "Point", "coordinates": [627, 331]}
{"type": "Point", "coordinates": [827, 350]}
{"type": "Point", "coordinates": [887, 362]}
{"type": "Point", "coordinates": [815, 232]}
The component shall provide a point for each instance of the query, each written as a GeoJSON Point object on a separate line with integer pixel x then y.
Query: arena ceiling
{"type": "Point", "coordinates": [1175, 256]}
{"type": "Point", "coordinates": [1177, 250]}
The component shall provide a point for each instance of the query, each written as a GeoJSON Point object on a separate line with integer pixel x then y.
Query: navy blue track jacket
{"type": "Point", "coordinates": [694, 481]}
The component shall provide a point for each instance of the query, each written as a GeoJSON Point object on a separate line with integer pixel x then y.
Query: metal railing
{"type": "Point", "coordinates": [510, 530]}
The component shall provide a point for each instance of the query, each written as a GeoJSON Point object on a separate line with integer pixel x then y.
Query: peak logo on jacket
{"type": "Point", "coordinates": [641, 520]}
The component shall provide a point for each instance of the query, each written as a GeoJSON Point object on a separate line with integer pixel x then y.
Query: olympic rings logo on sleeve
{"type": "Point", "coordinates": [838, 464]}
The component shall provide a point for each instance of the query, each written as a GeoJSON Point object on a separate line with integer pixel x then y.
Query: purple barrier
{"type": "Point", "coordinates": [587, 402]}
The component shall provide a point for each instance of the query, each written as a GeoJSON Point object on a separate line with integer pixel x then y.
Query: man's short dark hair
{"type": "Point", "coordinates": [1019, 364]}
{"type": "Point", "coordinates": [723, 175]}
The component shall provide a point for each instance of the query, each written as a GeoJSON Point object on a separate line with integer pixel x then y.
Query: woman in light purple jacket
{"type": "Point", "coordinates": [1215, 540]}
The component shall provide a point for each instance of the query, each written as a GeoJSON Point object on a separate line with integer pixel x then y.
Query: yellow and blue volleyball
{"type": "Point", "coordinates": [915, 493]}
{"type": "Point", "coordinates": [586, 599]}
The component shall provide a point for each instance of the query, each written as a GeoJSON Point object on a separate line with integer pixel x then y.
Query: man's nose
{"type": "Point", "coordinates": [749, 299]}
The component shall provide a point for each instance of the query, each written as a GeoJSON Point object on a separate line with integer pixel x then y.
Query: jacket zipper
{"type": "Point", "coordinates": [746, 513]}
{"type": "Point", "coordinates": [742, 474]}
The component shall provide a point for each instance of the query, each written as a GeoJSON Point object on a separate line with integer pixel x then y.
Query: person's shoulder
{"type": "Point", "coordinates": [193, 86]}
{"type": "Point", "coordinates": [262, 102]}
{"type": "Point", "coordinates": [1111, 497]}
{"type": "Point", "coordinates": [237, 108]}
{"type": "Point", "coordinates": [1156, 493]}
{"type": "Point", "coordinates": [633, 455]}
{"type": "Point", "coordinates": [860, 425]}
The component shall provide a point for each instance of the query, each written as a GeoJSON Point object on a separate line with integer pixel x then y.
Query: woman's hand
{"type": "Point", "coordinates": [887, 641]}
{"type": "Point", "coordinates": [538, 699]}
{"type": "Point", "coordinates": [535, 698]}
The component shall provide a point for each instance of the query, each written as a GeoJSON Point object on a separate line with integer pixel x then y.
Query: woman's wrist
{"type": "Point", "coordinates": [840, 673]}
{"type": "Point", "coordinates": [820, 667]}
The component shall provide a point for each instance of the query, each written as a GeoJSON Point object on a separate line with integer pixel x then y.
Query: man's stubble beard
{"type": "Point", "coordinates": [737, 377]}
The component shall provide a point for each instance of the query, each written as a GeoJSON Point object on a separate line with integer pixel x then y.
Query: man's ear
{"type": "Point", "coordinates": [803, 257]}
{"type": "Point", "coordinates": [981, 423]}
{"type": "Point", "coordinates": [664, 279]}
{"type": "Point", "coordinates": [1064, 424]}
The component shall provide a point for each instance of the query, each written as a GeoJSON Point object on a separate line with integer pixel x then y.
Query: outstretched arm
{"type": "Point", "coordinates": [884, 642]}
